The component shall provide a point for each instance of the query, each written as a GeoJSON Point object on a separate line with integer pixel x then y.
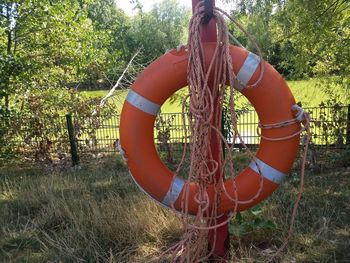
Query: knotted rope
{"type": "Point", "coordinates": [207, 88]}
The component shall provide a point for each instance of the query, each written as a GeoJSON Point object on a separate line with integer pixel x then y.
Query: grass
{"type": "Point", "coordinates": [96, 214]}
{"type": "Point", "coordinates": [119, 97]}
{"type": "Point", "coordinates": [93, 214]}
{"type": "Point", "coordinates": [308, 92]}
{"type": "Point", "coordinates": [311, 93]}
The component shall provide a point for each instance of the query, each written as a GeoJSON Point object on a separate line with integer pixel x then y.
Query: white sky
{"type": "Point", "coordinates": [147, 5]}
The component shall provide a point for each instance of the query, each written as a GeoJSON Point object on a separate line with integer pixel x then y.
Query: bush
{"type": "Point", "coordinates": [38, 126]}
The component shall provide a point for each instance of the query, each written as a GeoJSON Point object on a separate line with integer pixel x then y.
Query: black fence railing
{"type": "Point", "coordinates": [35, 138]}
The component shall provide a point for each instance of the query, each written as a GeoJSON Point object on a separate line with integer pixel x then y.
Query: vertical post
{"type": "Point", "coordinates": [220, 244]}
{"type": "Point", "coordinates": [348, 127]}
{"type": "Point", "coordinates": [72, 140]}
{"type": "Point", "coordinates": [208, 33]}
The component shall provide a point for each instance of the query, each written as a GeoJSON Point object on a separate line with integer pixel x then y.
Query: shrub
{"type": "Point", "coordinates": [38, 126]}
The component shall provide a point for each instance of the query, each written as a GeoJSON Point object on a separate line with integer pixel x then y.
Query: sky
{"type": "Point", "coordinates": [147, 5]}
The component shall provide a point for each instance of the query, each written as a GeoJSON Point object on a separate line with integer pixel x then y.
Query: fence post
{"type": "Point", "coordinates": [348, 127]}
{"type": "Point", "coordinates": [72, 140]}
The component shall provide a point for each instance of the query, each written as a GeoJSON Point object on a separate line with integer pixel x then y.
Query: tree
{"type": "Point", "coordinates": [319, 33]}
{"type": "Point", "coordinates": [113, 27]}
{"type": "Point", "coordinates": [163, 28]}
{"type": "Point", "coordinates": [43, 43]}
{"type": "Point", "coordinates": [47, 44]}
{"type": "Point", "coordinates": [300, 38]}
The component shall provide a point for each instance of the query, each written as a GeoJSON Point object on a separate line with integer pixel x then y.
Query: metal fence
{"type": "Point", "coordinates": [36, 138]}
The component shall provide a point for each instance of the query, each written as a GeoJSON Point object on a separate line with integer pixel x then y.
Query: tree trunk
{"type": "Point", "coordinates": [9, 41]}
{"type": "Point", "coordinates": [9, 52]}
{"type": "Point", "coordinates": [9, 33]}
{"type": "Point", "coordinates": [7, 102]}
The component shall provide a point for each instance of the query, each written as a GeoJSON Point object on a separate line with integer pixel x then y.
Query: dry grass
{"type": "Point", "coordinates": [322, 229]}
{"type": "Point", "coordinates": [94, 214]}
{"type": "Point", "coordinates": [97, 215]}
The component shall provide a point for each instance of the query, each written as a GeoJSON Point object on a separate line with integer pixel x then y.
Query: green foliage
{"type": "Point", "coordinates": [78, 43]}
{"type": "Point", "coordinates": [341, 159]}
{"type": "Point", "coordinates": [7, 145]}
{"type": "Point", "coordinates": [250, 221]}
{"type": "Point", "coordinates": [300, 38]}
{"type": "Point", "coordinates": [319, 33]}
{"type": "Point", "coordinates": [48, 44]}
{"type": "Point", "coordinates": [113, 30]}
{"type": "Point", "coordinates": [161, 29]}
{"type": "Point", "coordinates": [164, 127]}
{"type": "Point", "coordinates": [332, 123]}
{"type": "Point", "coordinates": [39, 122]}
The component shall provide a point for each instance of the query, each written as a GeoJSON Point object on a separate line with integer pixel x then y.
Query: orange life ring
{"type": "Point", "coordinates": [272, 100]}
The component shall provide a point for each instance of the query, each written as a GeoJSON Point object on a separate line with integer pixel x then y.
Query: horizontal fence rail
{"type": "Point", "coordinates": [37, 138]}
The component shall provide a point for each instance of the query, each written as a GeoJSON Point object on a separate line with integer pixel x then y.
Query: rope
{"type": "Point", "coordinates": [207, 87]}
{"type": "Point", "coordinates": [300, 116]}
{"type": "Point", "coordinates": [304, 118]}
{"type": "Point", "coordinates": [203, 168]}
{"type": "Point", "coordinates": [121, 151]}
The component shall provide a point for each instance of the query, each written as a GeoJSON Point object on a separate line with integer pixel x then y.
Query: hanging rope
{"type": "Point", "coordinates": [207, 88]}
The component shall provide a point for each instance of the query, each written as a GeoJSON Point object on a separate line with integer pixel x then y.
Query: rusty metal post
{"type": "Point", "coordinates": [220, 245]}
{"type": "Point", "coordinates": [72, 140]}
{"type": "Point", "coordinates": [348, 127]}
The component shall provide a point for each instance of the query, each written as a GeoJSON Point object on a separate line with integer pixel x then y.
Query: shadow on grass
{"type": "Point", "coordinates": [97, 214]}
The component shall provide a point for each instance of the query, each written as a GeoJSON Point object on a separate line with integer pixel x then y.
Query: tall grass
{"type": "Point", "coordinates": [96, 214]}
{"type": "Point", "coordinates": [93, 215]}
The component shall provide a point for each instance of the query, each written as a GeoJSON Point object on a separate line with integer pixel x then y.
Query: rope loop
{"type": "Point", "coordinates": [300, 117]}
{"type": "Point", "coordinates": [300, 113]}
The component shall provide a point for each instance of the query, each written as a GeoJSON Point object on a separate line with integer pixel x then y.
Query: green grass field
{"type": "Point", "coordinates": [308, 92]}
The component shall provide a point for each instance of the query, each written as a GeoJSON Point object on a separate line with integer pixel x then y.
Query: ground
{"type": "Point", "coordinates": [62, 214]}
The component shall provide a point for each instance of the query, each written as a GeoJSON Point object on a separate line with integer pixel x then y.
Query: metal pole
{"type": "Point", "coordinates": [72, 140]}
{"type": "Point", "coordinates": [348, 127]}
{"type": "Point", "coordinates": [208, 30]}
{"type": "Point", "coordinates": [220, 244]}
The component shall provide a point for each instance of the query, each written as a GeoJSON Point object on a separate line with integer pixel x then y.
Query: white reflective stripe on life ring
{"type": "Point", "coordinates": [174, 191]}
{"type": "Point", "coordinates": [248, 68]}
{"type": "Point", "coordinates": [171, 196]}
{"type": "Point", "coordinates": [142, 103]}
{"type": "Point", "coordinates": [267, 171]}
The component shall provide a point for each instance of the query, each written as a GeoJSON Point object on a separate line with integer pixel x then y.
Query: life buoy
{"type": "Point", "coordinates": [272, 100]}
